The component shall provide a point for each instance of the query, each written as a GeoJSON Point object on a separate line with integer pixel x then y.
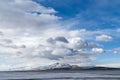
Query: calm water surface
{"type": "Point", "coordinates": [62, 75]}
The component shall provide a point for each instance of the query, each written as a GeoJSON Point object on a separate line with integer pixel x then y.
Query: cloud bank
{"type": "Point", "coordinates": [31, 33]}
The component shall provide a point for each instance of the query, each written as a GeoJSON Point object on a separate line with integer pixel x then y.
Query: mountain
{"type": "Point", "coordinates": [62, 66]}
{"type": "Point", "coordinates": [59, 66]}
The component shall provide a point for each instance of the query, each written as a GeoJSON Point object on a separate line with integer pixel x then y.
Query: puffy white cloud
{"type": "Point", "coordinates": [104, 38]}
{"type": "Point", "coordinates": [77, 43]}
{"type": "Point", "coordinates": [97, 50]}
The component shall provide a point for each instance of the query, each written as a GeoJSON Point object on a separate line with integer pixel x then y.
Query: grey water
{"type": "Point", "coordinates": [61, 75]}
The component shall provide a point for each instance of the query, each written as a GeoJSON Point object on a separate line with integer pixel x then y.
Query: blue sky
{"type": "Point", "coordinates": [42, 32]}
{"type": "Point", "coordinates": [91, 15]}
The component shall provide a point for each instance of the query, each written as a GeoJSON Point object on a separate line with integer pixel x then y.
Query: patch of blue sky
{"type": "Point", "coordinates": [91, 14]}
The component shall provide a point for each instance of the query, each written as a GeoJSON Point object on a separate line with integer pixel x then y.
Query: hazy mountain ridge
{"type": "Point", "coordinates": [63, 66]}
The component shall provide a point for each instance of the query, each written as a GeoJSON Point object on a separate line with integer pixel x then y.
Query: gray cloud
{"type": "Point", "coordinates": [7, 41]}
{"type": "Point", "coordinates": [51, 40]}
{"type": "Point", "coordinates": [57, 39]}
{"type": "Point", "coordinates": [1, 33]}
{"type": "Point", "coordinates": [61, 39]}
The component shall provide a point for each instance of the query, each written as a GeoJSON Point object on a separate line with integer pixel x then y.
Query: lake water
{"type": "Point", "coordinates": [62, 75]}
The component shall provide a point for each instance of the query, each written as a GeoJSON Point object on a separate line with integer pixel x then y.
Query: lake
{"type": "Point", "coordinates": [62, 75]}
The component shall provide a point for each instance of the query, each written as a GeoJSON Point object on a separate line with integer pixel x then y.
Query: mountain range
{"type": "Point", "coordinates": [62, 66]}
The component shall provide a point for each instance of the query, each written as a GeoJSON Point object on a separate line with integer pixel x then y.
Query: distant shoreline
{"type": "Point", "coordinates": [66, 70]}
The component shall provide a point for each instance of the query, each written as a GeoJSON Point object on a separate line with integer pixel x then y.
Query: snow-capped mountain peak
{"type": "Point", "coordinates": [59, 66]}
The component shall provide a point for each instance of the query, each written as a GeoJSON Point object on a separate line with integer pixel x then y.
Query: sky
{"type": "Point", "coordinates": [42, 32]}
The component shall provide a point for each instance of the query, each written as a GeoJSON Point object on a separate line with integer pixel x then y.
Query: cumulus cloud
{"type": "Point", "coordinates": [59, 50]}
{"type": "Point", "coordinates": [22, 24]}
{"type": "Point", "coordinates": [19, 15]}
{"type": "Point", "coordinates": [78, 43]}
{"type": "Point", "coordinates": [98, 50]}
{"type": "Point", "coordinates": [61, 47]}
{"type": "Point", "coordinates": [104, 38]}
{"type": "Point", "coordinates": [30, 32]}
